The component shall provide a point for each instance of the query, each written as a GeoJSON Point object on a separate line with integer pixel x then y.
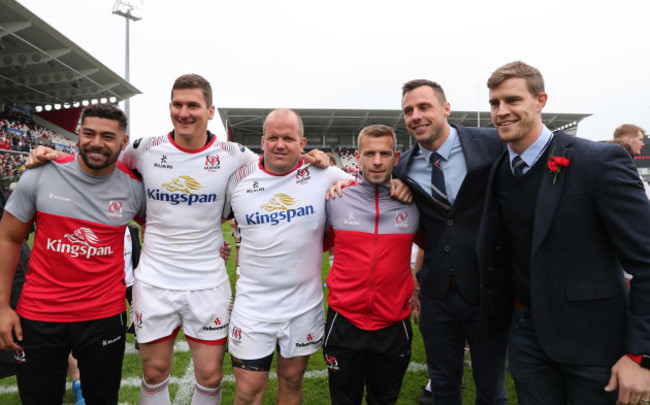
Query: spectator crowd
{"type": "Point", "coordinates": [20, 135]}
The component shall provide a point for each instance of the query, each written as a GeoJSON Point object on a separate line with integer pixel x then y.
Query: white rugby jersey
{"type": "Point", "coordinates": [185, 193]}
{"type": "Point", "coordinates": [128, 262]}
{"type": "Point", "coordinates": [281, 219]}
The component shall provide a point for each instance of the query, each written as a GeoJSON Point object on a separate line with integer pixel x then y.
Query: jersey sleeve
{"type": "Point", "coordinates": [334, 175]}
{"type": "Point", "coordinates": [227, 207]}
{"type": "Point", "coordinates": [22, 201]}
{"type": "Point", "coordinates": [242, 154]}
{"type": "Point", "coordinates": [139, 196]}
{"type": "Point", "coordinates": [234, 181]}
{"type": "Point", "coordinates": [131, 155]}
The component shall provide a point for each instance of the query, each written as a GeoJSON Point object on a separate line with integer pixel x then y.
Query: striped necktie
{"type": "Point", "coordinates": [438, 189]}
{"type": "Point", "coordinates": [518, 166]}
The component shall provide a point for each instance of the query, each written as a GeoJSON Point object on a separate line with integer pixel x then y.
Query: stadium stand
{"type": "Point", "coordinates": [46, 79]}
{"type": "Point", "coordinates": [18, 136]}
{"type": "Point", "coordinates": [348, 160]}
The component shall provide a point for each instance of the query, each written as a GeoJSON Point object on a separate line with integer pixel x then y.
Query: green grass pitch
{"type": "Point", "coordinates": [315, 382]}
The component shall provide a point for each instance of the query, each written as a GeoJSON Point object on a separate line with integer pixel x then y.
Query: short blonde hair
{"type": "Point", "coordinates": [378, 131]}
{"type": "Point", "coordinates": [518, 69]}
{"type": "Point", "coordinates": [627, 130]}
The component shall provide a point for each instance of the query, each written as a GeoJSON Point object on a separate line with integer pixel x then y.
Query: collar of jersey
{"type": "Point", "coordinates": [208, 143]}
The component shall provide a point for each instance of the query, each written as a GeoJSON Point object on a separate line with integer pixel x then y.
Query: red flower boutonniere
{"type": "Point", "coordinates": [556, 163]}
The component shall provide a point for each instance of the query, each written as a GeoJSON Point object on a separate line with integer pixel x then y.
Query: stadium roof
{"type": "Point", "coordinates": [39, 66]}
{"type": "Point", "coordinates": [330, 127]}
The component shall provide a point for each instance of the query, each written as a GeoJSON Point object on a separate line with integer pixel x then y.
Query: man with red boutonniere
{"type": "Point", "coordinates": [563, 217]}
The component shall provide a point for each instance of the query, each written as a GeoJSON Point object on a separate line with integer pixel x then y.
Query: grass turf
{"type": "Point", "coordinates": [315, 382]}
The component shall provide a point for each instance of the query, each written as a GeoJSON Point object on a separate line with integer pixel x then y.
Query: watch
{"type": "Point", "coordinates": [645, 361]}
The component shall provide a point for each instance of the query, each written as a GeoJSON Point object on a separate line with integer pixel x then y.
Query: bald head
{"type": "Point", "coordinates": [282, 141]}
{"type": "Point", "coordinates": [284, 114]}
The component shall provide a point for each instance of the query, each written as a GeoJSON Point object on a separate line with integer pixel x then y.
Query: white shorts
{"type": "Point", "coordinates": [157, 312]}
{"type": "Point", "coordinates": [253, 339]}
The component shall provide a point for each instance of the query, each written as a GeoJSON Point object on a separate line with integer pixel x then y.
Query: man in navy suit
{"type": "Point", "coordinates": [450, 214]}
{"type": "Point", "coordinates": [563, 217]}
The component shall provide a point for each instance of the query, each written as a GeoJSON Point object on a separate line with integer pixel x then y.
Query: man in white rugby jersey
{"type": "Point", "coordinates": [279, 205]}
{"type": "Point", "coordinates": [181, 280]}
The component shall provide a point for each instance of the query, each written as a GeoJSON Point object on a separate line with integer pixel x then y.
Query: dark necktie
{"type": "Point", "coordinates": [518, 166]}
{"type": "Point", "coordinates": [438, 189]}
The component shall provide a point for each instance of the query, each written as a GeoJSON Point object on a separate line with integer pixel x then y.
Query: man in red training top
{"type": "Point", "coordinates": [368, 331]}
{"type": "Point", "coordinates": [73, 299]}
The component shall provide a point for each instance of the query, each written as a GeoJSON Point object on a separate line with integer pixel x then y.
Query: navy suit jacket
{"type": "Point", "coordinates": [449, 237]}
{"type": "Point", "coordinates": [588, 226]}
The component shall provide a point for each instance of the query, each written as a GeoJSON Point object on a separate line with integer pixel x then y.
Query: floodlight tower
{"type": "Point", "coordinates": [130, 10]}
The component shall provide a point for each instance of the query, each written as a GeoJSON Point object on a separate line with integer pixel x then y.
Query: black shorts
{"type": "Point", "coordinates": [376, 359]}
{"type": "Point", "coordinates": [98, 346]}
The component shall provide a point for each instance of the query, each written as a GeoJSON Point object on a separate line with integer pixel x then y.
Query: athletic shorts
{"type": "Point", "coordinates": [98, 346]}
{"type": "Point", "coordinates": [158, 312]}
{"type": "Point", "coordinates": [254, 339]}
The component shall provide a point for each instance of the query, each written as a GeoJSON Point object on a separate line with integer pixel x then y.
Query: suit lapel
{"type": "Point", "coordinates": [549, 193]}
{"type": "Point", "coordinates": [407, 164]}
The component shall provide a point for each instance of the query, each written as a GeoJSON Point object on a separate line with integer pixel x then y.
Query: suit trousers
{"type": "Point", "coordinates": [445, 325]}
{"type": "Point", "coordinates": [541, 381]}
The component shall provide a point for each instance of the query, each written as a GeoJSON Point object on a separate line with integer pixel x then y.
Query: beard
{"type": "Point", "coordinates": [94, 164]}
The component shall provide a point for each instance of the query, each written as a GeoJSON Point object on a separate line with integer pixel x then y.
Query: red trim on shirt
{"type": "Point", "coordinates": [122, 167]}
{"type": "Point", "coordinates": [65, 159]}
{"type": "Point", "coordinates": [261, 166]}
{"type": "Point", "coordinates": [206, 146]}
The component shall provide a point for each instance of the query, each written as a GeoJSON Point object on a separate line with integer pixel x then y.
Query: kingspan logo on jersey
{"type": "Point", "coordinates": [280, 210]}
{"type": "Point", "coordinates": [183, 189]}
{"type": "Point", "coordinates": [83, 243]}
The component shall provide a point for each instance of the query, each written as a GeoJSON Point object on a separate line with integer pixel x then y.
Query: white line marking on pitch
{"type": "Point", "coordinates": [186, 386]}
{"type": "Point", "coordinates": [188, 380]}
